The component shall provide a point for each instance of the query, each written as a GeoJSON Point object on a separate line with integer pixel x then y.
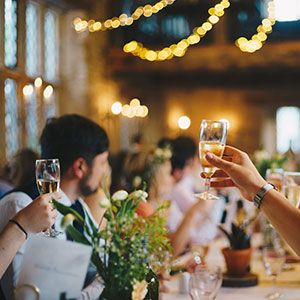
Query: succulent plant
{"type": "Point", "coordinates": [238, 237]}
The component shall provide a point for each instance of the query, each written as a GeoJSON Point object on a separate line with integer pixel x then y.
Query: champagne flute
{"type": "Point", "coordinates": [205, 283]}
{"type": "Point", "coordinates": [212, 139]}
{"type": "Point", "coordinates": [291, 187]}
{"type": "Point", "coordinates": [273, 256]}
{"type": "Point", "coordinates": [47, 172]}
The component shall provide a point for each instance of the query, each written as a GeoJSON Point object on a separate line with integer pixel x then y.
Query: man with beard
{"type": "Point", "coordinates": [82, 149]}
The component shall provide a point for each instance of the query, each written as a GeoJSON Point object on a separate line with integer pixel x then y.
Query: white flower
{"type": "Point", "coordinates": [158, 152]}
{"type": "Point", "coordinates": [105, 203]}
{"type": "Point", "coordinates": [137, 180]}
{"type": "Point", "coordinates": [168, 153]}
{"type": "Point", "coordinates": [140, 194]}
{"type": "Point", "coordinates": [119, 195]}
{"type": "Point", "coordinates": [140, 290]}
{"type": "Point", "coordinates": [261, 155]}
{"type": "Point", "coordinates": [66, 221]}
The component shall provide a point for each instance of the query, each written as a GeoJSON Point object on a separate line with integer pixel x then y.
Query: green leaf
{"type": "Point", "coordinates": [64, 210]}
{"type": "Point", "coordinates": [77, 236]}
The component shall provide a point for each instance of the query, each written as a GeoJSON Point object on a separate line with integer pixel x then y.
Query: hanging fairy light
{"type": "Point", "coordinates": [137, 49]}
{"type": "Point", "coordinates": [258, 39]}
{"type": "Point", "coordinates": [134, 109]}
{"type": "Point", "coordinates": [123, 20]}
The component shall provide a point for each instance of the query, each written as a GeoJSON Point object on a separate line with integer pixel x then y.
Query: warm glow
{"type": "Point", "coordinates": [226, 122]}
{"type": "Point", "coordinates": [27, 90]}
{"type": "Point", "coordinates": [38, 82]}
{"type": "Point", "coordinates": [135, 102]}
{"type": "Point", "coordinates": [125, 110]}
{"type": "Point", "coordinates": [145, 111]}
{"type": "Point", "coordinates": [184, 122]}
{"type": "Point", "coordinates": [48, 91]}
{"type": "Point", "coordinates": [116, 108]}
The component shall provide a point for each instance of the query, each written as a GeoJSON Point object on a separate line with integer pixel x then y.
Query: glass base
{"type": "Point", "coordinates": [52, 232]}
{"type": "Point", "coordinates": [274, 295]}
{"type": "Point", "coordinates": [206, 196]}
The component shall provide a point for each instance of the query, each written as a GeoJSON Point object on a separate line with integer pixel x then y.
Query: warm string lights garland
{"type": "Point", "coordinates": [179, 49]}
{"type": "Point", "coordinates": [123, 20]}
{"type": "Point", "coordinates": [257, 40]}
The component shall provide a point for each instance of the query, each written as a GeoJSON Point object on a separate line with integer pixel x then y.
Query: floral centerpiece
{"type": "Point", "coordinates": [129, 251]}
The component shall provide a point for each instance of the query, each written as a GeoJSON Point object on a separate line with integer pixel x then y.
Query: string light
{"type": "Point", "coordinates": [48, 91]}
{"type": "Point", "coordinates": [184, 122]}
{"type": "Point", "coordinates": [116, 108]}
{"type": "Point", "coordinates": [38, 82]}
{"type": "Point", "coordinates": [123, 20]}
{"type": "Point", "coordinates": [134, 109]}
{"type": "Point", "coordinates": [179, 49]}
{"type": "Point", "coordinates": [27, 90]}
{"type": "Point", "coordinates": [257, 40]}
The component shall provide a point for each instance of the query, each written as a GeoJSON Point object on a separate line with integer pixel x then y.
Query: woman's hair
{"type": "Point", "coordinates": [23, 167]}
{"type": "Point", "coordinates": [142, 168]}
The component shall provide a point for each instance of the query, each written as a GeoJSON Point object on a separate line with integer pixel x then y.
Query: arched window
{"type": "Point", "coordinates": [11, 117]}
{"type": "Point", "coordinates": [287, 10]}
{"type": "Point", "coordinates": [288, 128]}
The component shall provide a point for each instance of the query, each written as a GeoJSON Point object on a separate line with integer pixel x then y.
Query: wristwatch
{"type": "Point", "coordinates": [258, 199]}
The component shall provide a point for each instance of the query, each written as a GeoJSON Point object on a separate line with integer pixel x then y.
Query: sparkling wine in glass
{"type": "Point", "coordinates": [291, 187]}
{"type": "Point", "coordinates": [273, 257]}
{"type": "Point", "coordinates": [47, 172]}
{"type": "Point", "coordinates": [212, 139]}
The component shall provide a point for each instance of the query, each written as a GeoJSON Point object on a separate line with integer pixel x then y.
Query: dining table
{"type": "Point", "coordinates": [288, 281]}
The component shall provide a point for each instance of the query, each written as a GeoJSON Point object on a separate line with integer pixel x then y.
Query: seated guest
{"type": "Point", "coordinates": [155, 170]}
{"type": "Point", "coordinates": [82, 149]}
{"type": "Point", "coordinates": [23, 172]}
{"type": "Point", "coordinates": [182, 195]}
{"type": "Point", "coordinates": [34, 218]}
{"type": "Point", "coordinates": [5, 183]}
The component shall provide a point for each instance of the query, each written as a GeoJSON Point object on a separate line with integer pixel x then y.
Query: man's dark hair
{"type": "Point", "coordinates": [183, 149]}
{"type": "Point", "coordinates": [70, 137]}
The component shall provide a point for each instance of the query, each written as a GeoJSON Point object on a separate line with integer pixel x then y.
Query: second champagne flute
{"type": "Point", "coordinates": [212, 139]}
{"type": "Point", "coordinates": [47, 172]}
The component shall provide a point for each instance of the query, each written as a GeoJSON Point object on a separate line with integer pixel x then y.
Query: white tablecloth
{"type": "Point", "coordinates": [288, 281]}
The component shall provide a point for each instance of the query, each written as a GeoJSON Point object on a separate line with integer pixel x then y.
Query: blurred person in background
{"type": "Point", "coordinates": [5, 183]}
{"type": "Point", "coordinates": [154, 169]}
{"type": "Point", "coordinates": [184, 162]}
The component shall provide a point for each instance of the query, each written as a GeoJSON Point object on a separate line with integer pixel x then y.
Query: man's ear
{"type": "Point", "coordinates": [79, 168]}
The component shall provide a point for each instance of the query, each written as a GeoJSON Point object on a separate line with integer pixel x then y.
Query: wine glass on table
{"type": "Point", "coordinates": [273, 256]}
{"type": "Point", "coordinates": [291, 187]}
{"type": "Point", "coordinates": [47, 173]}
{"type": "Point", "coordinates": [205, 283]}
{"type": "Point", "coordinates": [212, 139]}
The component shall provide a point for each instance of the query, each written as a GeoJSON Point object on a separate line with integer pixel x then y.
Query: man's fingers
{"type": "Point", "coordinates": [222, 183]}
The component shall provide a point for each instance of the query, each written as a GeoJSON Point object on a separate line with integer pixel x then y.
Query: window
{"type": "Point", "coordinates": [288, 128]}
{"type": "Point", "coordinates": [10, 33]}
{"type": "Point", "coordinates": [32, 53]}
{"type": "Point", "coordinates": [50, 44]}
{"type": "Point", "coordinates": [11, 117]}
{"type": "Point", "coordinates": [31, 119]}
{"type": "Point", "coordinates": [287, 10]}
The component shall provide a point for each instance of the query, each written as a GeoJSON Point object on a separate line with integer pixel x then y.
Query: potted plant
{"type": "Point", "coordinates": [238, 255]}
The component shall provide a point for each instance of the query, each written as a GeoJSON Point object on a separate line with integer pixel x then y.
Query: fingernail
{"type": "Point", "coordinates": [209, 155]}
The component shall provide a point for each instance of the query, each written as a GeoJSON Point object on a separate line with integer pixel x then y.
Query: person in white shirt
{"type": "Point", "coordinates": [81, 146]}
{"type": "Point", "coordinates": [184, 161]}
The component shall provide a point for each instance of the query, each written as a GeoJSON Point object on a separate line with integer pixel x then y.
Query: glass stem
{"type": "Point", "coordinates": [274, 277]}
{"type": "Point", "coordinates": [207, 184]}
